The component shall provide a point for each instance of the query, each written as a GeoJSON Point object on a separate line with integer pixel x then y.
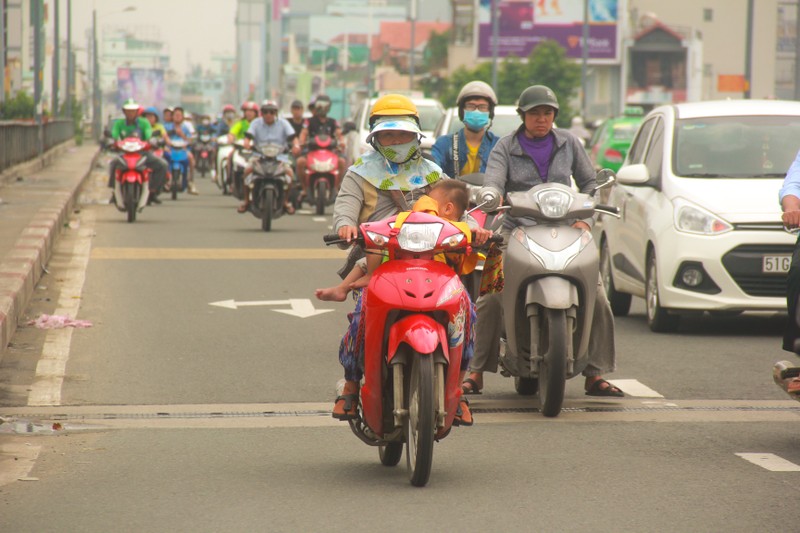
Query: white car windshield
{"type": "Point", "coordinates": [735, 147]}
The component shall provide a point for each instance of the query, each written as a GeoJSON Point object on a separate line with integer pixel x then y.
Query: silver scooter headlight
{"type": "Point", "coordinates": [554, 203]}
{"type": "Point", "coordinates": [419, 237]}
{"type": "Point", "coordinates": [553, 260]}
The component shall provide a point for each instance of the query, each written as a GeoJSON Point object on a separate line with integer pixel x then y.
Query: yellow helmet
{"type": "Point", "coordinates": [393, 105]}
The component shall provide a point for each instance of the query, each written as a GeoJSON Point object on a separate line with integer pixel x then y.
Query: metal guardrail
{"type": "Point", "coordinates": [19, 140]}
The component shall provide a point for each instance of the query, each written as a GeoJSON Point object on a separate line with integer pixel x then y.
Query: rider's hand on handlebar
{"type": "Point", "coordinates": [481, 236]}
{"type": "Point", "coordinates": [348, 233]}
{"type": "Point", "coordinates": [791, 219]}
{"type": "Point", "coordinates": [582, 225]}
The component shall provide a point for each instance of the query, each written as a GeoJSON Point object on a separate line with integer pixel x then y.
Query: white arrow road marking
{"type": "Point", "coordinates": [300, 307]}
{"type": "Point", "coordinates": [770, 461]}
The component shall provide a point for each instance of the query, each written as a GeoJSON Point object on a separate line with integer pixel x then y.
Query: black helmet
{"type": "Point", "coordinates": [536, 95]}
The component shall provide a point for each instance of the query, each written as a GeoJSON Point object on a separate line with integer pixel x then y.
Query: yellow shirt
{"type": "Point", "coordinates": [473, 164]}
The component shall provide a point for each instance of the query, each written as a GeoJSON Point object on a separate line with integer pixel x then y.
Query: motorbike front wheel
{"type": "Point", "coordinates": [267, 201]}
{"type": "Point", "coordinates": [553, 368]}
{"type": "Point", "coordinates": [176, 182]}
{"type": "Point", "coordinates": [420, 424]}
{"type": "Point", "coordinates": [131, 196]}
{"type": "Point", "coordinates": [321, 195]}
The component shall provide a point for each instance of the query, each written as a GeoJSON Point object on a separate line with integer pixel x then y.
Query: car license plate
{"type": "Point", "coordinates": [775, 264]}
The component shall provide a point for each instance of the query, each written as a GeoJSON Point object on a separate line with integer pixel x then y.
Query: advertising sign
{"type": "Point", "coordinates": [525, 23]}
{"type": "Point", "coordinates": [145, 85]}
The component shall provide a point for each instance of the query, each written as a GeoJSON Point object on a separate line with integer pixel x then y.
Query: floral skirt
{"type": "Point", "coordinates": [351, 349]}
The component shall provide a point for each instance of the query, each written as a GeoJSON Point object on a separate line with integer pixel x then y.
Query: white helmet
{"type": "Point", "coordinates": [476, 89]}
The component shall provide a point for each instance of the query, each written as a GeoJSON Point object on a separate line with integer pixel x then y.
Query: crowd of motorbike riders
{"type": "Point", "coordinates": [391, 178]}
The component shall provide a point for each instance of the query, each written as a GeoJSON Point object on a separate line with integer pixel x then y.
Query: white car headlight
{"type": "Point", "coordinates": [690, 218]}
{"type": "Point", "coordinates": [554, 203]}
{"type": "Point", "coordinates": [419, 237]}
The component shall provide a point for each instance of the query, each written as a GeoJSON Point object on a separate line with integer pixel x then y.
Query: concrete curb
{"type": "Point", "coordinates": [11, 174]}
{"type": "Point", "coordinates": [22, 268]}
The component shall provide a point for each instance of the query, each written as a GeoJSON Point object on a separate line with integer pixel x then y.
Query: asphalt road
{"type": "Point", "coordinates": [179, 415]}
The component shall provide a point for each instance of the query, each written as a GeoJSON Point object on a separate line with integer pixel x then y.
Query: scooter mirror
{"type": "Point", "coordinates": [476, 179]}
{"type": "Point", "coordinates": [605, 178]}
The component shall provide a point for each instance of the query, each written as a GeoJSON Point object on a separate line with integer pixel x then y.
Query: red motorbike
{"type": "Point", "coordinates": [414, 308]}
{"type": "Point", "coordinates": [323, 170]}
{"type": "Point", "coordinates": [132, 177]}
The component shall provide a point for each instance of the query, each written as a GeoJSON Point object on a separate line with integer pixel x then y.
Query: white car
{"type": "Point", "coordinates": [430, 111]}
{"type": "Point", "coordinates": [506, 120]}
{"type": "Point", "coordinates": [700, 227]}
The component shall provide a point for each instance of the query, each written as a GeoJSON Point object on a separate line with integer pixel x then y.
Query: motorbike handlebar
{"type": "Point", "coordinates": [334, 238]}
{"type": "Point", "coordinates": [610, 209]}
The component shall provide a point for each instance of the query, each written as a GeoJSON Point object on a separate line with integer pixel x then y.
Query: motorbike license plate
{"type": "Point", "coordinates": [775, 264]}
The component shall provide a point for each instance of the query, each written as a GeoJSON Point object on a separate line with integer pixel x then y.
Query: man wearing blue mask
{"type": "Point", "coordinates": [467, 150]}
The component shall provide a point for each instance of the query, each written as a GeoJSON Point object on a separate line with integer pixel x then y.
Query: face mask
{"type": "Point", "coordinates": [399, 153]}
{"type": "Point", "coordinates": [476, 120]}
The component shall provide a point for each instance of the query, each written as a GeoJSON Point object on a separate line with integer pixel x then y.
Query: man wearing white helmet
{"type": "Point", "coordinates": [467, 150]}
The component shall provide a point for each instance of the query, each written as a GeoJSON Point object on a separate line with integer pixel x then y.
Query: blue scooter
{"type": "Point", "coordinates": [179, 166]}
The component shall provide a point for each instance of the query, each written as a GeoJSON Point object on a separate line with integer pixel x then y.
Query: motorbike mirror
{"type": "Point", "coordinates": [605, 178]}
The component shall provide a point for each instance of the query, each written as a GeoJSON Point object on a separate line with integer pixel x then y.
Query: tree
{"type": "Point", "coordinates": [546, 65]}
{"type": "Point", "coordinates": [436, 51]}
{"type": "Point", "coordinates": [21, 106]}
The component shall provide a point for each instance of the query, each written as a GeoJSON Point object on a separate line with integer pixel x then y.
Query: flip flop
{"type": "Point", "coordinates": [463, 414]}
{"type": "Point", "coordinates": [350, 407]}
{"type": "Point", "coordinates": [597, 389]}
{"type": "Point", "coordinates": [473, 387]}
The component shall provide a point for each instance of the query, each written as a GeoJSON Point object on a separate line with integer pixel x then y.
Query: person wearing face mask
{"type": "Point", "coordinates": [467, 150]}
{"type": "Point", "coordinates": [226, 120]}
{"type": "Point", "coordinates": [539, 153]}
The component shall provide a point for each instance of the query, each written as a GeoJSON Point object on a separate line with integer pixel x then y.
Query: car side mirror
{"type": "Point", "coordinates": [635, 175]}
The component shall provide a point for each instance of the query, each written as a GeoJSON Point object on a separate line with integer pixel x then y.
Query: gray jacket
{"type": "Point", "coordinates": [510, 169]}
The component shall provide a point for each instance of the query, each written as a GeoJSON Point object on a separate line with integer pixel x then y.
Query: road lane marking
{"type": "Point", "coordinates": [17, 459]}
{"type": "Point", "coordinates": [770, 461]}
{"type": "Point", "coordinates": [300, 307]}
{"type": "Point", "coordinates": [111, 253]}
{"type": "Point", "coordinates": [319, 219]}
{"type": "Point", "coordinates": [632, 387]}
{"type": "Point", "coordinates": [52, 365]}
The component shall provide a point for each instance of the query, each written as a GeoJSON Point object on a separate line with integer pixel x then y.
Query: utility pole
{"type": "Point", "coordinates": [70, 62]}
{"type": "Point", "coordinates": [96, 104]}
{"type": "Point", "coordinates": [2, 51]}
{"type": "Point", "coordinates": [584, 57]}
{"type": "Point", "coordinates": [495, 41]}
{"type": "Point", "coordinates": [748, 53]}
{"type": "Point", "coordinates": [797, 53]}
{"type": "Point", "coordinates": [37, 71]}
{"type": "Point", "coordinates": [56, 59]}
{"type": "Point", "coordinates": [413, 47]}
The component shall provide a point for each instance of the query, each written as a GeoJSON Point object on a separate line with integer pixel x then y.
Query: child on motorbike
{"type": "Point", "coordinates": [378, 185]}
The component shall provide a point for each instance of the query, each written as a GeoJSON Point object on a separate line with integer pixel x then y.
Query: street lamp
{"type": "Point", "coordinates": [97, 104]}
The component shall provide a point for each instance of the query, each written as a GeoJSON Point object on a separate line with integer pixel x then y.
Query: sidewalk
{"type": "Point", "coordinates": [33, 211]}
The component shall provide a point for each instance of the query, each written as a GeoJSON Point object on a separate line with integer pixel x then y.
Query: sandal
{"type": "Point", "coordinates": [470, 386]}
{"type": "Point", "coordinates": [348, 409]}
{"type": "Point", "coordinates": [242, 209]}
{"type": "Point", "coordinates": [289, 208]}
{"type": "Point", "coordinates": [598, 389]}
{"type": "Point", "coordinates": [463, 413]}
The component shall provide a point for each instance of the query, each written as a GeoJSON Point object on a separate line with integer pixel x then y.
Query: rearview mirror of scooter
{"type": "Point", "coordinates": [605, 178]}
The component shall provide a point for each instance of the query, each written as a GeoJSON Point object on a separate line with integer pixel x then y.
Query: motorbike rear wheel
{"type": "Point", "coordinates": [553, 368]}
{"type": "Point", "coordinates": [420, 424]}
{"type": "Point", "coordinates": [267, 205]}
{"type": "Point", "coordinates": [321, 195]}
{"type": "Point", "coordinates": [131, 195]}
{"type": "Point", "coordinates": [391, 453]}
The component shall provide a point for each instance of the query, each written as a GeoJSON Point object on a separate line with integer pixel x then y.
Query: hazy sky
{"type": "Point", "coordinates": [197, 28]}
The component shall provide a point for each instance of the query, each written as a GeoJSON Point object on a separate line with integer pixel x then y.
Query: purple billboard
{"type": "Point", "coordinates": [145, 85]}
{"type": "Point", "coordinates": [525, 23]}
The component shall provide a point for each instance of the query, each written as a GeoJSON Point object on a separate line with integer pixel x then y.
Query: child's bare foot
{"type": "Point", "coordinates": [332, 294]}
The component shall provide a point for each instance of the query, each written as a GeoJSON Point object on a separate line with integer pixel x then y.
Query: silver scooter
{"type": "Point", "coordinates": [551, 271]}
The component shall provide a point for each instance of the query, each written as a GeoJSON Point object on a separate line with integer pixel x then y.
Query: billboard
{"type": "Point", "coordinates": [145, 85]}
{"type": "Point", "coordinates": [525, 23]}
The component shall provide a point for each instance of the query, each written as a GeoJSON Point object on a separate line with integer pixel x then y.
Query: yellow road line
{"type": "Point", "coordinates": [216, 253]}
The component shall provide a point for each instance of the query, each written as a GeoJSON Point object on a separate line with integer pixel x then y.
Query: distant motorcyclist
{"type": "Point", "coordinates": [223, 125]}
{"type": "Point", "coordinates": [267, 129]}
{"type": "Point", "coordinates": [180, 129]}
{"type": "Point", "coordinates": [297, 121]}
{"type": "Point", "coordinates": [135, 126]}
{"type": "Point", "coordinates": [151, 114]}
{"type": "Point", "coordinates": [467, 150]}
{"type": "Point", "coordinates": [320, 124]}
{"type": "Point", "coordinates": [579, 130]}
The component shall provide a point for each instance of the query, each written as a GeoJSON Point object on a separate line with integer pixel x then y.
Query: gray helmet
{"type": "Point", "coordinates": [476, 89]}
{"type": "Point", "coordinates": [536, 95]}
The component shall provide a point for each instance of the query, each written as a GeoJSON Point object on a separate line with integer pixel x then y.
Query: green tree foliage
{"type": "Point", "coordinates": [20, 106]}
{"type": "Point", "coordinates": [546, 65]}
{"type": "Point", "coordinates": [435, 54]}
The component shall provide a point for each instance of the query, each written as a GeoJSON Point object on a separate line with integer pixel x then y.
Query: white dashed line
{"type": "Point", "coordinates": [770, 461]}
